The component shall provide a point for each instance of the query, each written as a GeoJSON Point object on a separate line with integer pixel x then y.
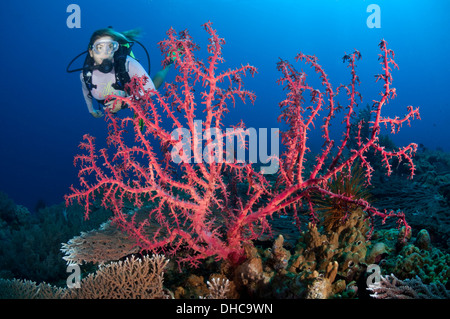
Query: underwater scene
{"type": "Point", "coordinates": [250, 151]}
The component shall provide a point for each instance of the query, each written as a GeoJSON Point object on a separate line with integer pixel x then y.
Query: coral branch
{"type": "Point", "coordinates": [301, 118]}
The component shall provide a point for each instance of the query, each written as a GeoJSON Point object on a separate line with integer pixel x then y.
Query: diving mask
{"type": "Point", "coordinates": [106, 47]}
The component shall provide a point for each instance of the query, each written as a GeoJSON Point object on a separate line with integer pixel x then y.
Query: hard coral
{"type": "Point", "coordinates": [390, 287]}
{"type": "Point", "coordinates": [132, 278]}
{"type": "Point", "coordinates": [413, 258]}
{"type": "Point", "coordinates": [108, 243]}
{"type": "Point", "coordinates": [347, 245]}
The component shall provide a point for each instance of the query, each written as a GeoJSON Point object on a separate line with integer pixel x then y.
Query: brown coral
{"type": "Point", "coordinates": [390, 287]}
{"type": "Point", "coordinates": [102, 245]}
{"type": "Point", "coordinates": [130, 279]}
{"type": "Point", "coordinates": [347, 245]}
{"type": "Point", "coordinates": [322, 285]}
{"type": "Point", "coordinates": [27, 289]}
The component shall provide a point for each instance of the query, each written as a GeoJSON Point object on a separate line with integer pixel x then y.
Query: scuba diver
{"type": "Point", "coordinates": [109, 65]}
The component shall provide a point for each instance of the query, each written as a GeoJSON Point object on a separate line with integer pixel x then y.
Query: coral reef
{"type": "Point", "coordinates": [334, 210]}
{"type": "Point", "coordinates": [424, 199]}
{"type": "Point", "coordinates": [322, 264]}
{"type": "Point", "coordinates": [215, 218]}
{"type": "Point", "coordinates": [133, 278]}
{"type": "Point", "coordinates": [27, 289]}
{"type": "Point", "coordinates": [28, 242]}
{"type": "Point", "coordinates": [347, 245]}
{"type": "Point", "coordinates": [218, 288]}
{"type": "Point", "coordinates": [390, 287]}
{"type": "Point", "coordinates": [417, 257]}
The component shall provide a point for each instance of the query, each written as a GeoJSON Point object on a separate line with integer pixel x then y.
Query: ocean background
{"type": "Point", "coordinates": [44, 116]}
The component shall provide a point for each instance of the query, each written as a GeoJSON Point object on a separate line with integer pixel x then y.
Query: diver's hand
{"type": "Point", "coordinates": [115, 105]}
{"type": "Point", "coordinates": [97, 113]}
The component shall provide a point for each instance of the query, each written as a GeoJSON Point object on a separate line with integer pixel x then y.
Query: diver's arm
{"type": "Point", "coordinates": [159, 77]}
{"type": "Point", "coordinates": [88, 99]}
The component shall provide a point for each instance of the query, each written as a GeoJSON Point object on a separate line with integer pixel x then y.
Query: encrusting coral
{"type": "Point", "coordinates": [414, 257]}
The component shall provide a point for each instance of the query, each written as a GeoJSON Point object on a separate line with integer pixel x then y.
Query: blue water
{"type": "Point", "coordinates": [44, 116]}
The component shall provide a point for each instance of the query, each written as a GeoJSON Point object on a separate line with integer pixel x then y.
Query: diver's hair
{"type": "Point", "coordinates": [121, 37]}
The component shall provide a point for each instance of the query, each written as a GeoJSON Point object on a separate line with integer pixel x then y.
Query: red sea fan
{"type": "Point", "coordinates": [174, 175]}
